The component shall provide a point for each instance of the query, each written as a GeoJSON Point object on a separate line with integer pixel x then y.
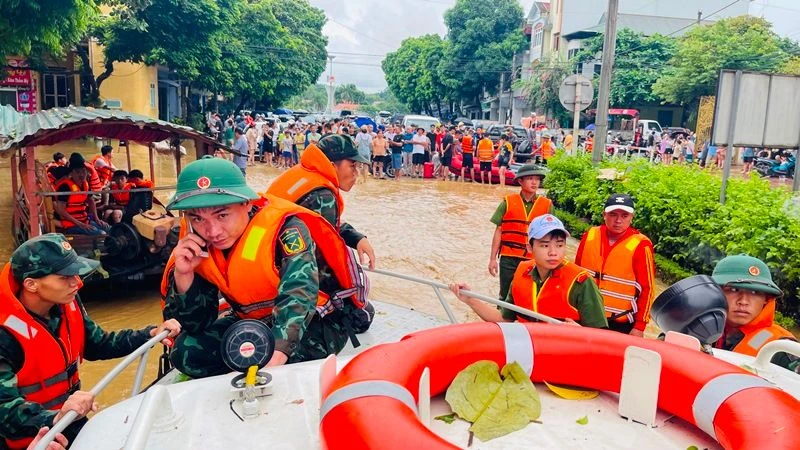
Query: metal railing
{"type": "Point", "coordinates": [437, 287]}
{"type": "Point", "coordinates": [140, 353]}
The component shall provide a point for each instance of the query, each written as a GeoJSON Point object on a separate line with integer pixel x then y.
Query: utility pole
{"type": "Point", "coordinates": [699, 16]}
{"type": "Point", "coordinates": [604, 91]}
{"type": "Point", "coordinates": [330, 88]}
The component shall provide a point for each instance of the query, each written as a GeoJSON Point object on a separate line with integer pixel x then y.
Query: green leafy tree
{"type": "Point", "coordinates": [744, 42]}
{"type": "Point", "coordinates": [543, 86]}
{"type": "Point", "coordinates": [483, 37]}
{"type": "Point", "coordinates": [30, 27]}
{"type": "Point", "coordinates": [350, 93]}
{"type": "Point", "coordinates": [414, 72]}
{"type": "Point", "coordinates": [314, 98]}
{"type": "Point", "coordinates": [639, 63]}
{"type": "Point", "coordinates": [790, 66]}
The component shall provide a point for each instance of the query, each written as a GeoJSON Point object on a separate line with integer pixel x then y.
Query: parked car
{"type": "Point", "coordinates": [494, 132]}
{"type": "Point", "coordinates": [677, 131]}
{"type": "Point", "coordinates": [420, 121]}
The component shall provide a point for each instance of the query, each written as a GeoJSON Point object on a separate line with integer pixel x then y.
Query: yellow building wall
{"type": "Point", "coordinates": [135, 85]}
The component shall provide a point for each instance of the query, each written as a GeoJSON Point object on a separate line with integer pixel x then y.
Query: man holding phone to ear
{"type": "Point", "coordinates": [269, 258]}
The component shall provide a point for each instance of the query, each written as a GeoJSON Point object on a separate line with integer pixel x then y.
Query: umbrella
{"type": "Point", "coordinates": [363, 120]}
{"type": "Point", "coordinates": [590, 127]}
{"type": "Point", "coordinates": [284, 111]}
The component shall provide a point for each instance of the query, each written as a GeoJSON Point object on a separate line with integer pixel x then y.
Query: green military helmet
{"type": "Point", "coordinates": [530, 169]}
{"type": "Point", "coordinates": [745, 272]}
{"type": "Point", "coordinates": [338, 147]}
{"type": "Point", "coordinates": [210, 182]}
{"type": "Point", "coordinates": [49, 254]}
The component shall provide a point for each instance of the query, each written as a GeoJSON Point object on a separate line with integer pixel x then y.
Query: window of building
{"type": "Point", "coordinates": [572, 52]}
{"type": "Point", "coordinates": [538, 33]}
{"type": "Point", "coordinates": [8, 97]}
{"type": "Point", "coordinates": [556, 41]}
{"type": "Point", "coordinates": [57, 92]}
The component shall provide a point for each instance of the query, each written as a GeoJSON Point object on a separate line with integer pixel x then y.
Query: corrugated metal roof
{"type": "Point", "coordinates": [8, 120]}
{"type": "Point", "coordinates": [55, 125]}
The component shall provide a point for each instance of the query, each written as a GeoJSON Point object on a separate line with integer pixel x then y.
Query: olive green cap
{"type": "Point", "coordinates": [338, 147]}
{"type": "Point", "coordinates": [745, 272]}
{"type": "Point", "coordinates": [530, 169]}
{"type": "Point", "coordinates": [210, 182]}
{"type": "Point", "coordinates": [49, 254]}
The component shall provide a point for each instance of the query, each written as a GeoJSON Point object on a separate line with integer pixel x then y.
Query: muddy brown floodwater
{"type": "Point", "coordinates": [430, 229]}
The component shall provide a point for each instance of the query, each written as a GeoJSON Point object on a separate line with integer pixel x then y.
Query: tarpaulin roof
{"type": "Point", "coordinates": [55, 125]}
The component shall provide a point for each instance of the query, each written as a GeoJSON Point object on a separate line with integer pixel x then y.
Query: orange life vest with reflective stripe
{"type": "Point", "coordinates": [514, 227]}
{"type": "Point", "coordinates": [315, 171]}
{"type": "Point", "coordinates": [553, 297]}
{"type": "Point", "coordinates": [614, 274]}
{"type": "Point", "coordinates": [95, 184]}
{"type": "Point", "coordinates": [76, 203]}
{"type": "Point", "coordinates": [248, 277]}
{"type": "Point", "coordinates": [49, 374]}
{"type": "Point", "coordinates": [466, 144]}
{"type": "Point", "coordinates": [485, 150]}
{"type": "Point", "coordinates": [760, 331]}
{"type": "Point", "coordinates": [104, 173]}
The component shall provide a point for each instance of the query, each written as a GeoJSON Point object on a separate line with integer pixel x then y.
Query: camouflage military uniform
{"type": "Point", "coordinates": [38, 258]}
{"type": "Point", "coordinates": [323, 201]}
{"type": "Point", "coordinates": [299, 332]}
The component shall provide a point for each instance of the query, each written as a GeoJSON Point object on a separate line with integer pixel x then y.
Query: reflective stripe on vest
{"type": "Point", "coordinates": [716, 392]}
{"type": "Point", "coordinates": [552, 299]}
{"type": "Point", "coordinates": [372, 388]}
{"type": "Point", "coordinates": [614, 273]}
{"type": "Point", "coordinates": [515, 222]}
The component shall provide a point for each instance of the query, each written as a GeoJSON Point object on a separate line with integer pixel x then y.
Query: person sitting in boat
{"type": "Point", "coordinates": [269, 258]}
{"type": "Point", "coordinates": [103, 165]}
{"type": "Point", "coordinates": [44, 335]}
{"type": "Point", "coordinates": [93, 178]}
{"type": "Point", "coordinates": [77, 209]}
{"type": "Point", "coordinates": [751, 294]}
{"type": "Point", "coordinates": [117, 201]}
{"type": "Point", "coordinates": [316, 183]}
{"type": "Point", "coordinates": [547, 284]}
{"type": "Point", "coordinates": [511, 219]}
{"type": "Point", "coordinates": [59, 161]}
{"type": "Point", "coordinates": [620, 259]}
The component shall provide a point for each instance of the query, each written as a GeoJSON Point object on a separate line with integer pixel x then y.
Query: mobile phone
{"type": "Point", "coordinates": [203, 248]}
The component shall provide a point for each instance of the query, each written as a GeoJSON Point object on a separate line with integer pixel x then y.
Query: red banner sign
{"type": "Point", "coordinates": [18, 73]}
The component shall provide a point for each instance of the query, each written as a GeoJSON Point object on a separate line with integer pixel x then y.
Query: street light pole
{"type": "Point", "coordinates": [329, 87]}
{"type": "Point", "coordinates": [604, 91]}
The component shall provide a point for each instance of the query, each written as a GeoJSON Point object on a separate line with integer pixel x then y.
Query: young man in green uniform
{"type": "Point", "coordinates": [511, 220]}
{"type": "Point", "coordinates": [44, 335]}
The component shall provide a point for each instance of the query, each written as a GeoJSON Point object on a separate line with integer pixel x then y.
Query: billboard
{"type": "Point", "coordinates": [756, 109]}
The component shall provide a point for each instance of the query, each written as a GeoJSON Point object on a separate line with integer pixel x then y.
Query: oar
{"type": "Point", "coordinates": [71, 415]}
{"type": "Point", "coordinates": [487, 299]}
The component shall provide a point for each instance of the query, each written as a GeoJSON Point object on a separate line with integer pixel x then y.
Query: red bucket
{"type": "Point", "coordinates": [427, 171]}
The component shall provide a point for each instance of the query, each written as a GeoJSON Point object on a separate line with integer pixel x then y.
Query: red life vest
{"type": "Point", "coordinates": [122, 198]}
{"type": "Point", "coordinates": [95, 184]}
{"type": "Point", "coordinates": [315, 171]}
{"type": "Point", "coordinates": [759, 332]}
{"type": "Point", "coordinates": [49, 374]}
{"type": "Point", "coordinates": [514, 226]}
{"type": "Point", "coordinates": [553, 297]}
{"type": "Point", "coordinates": [614, 273]}
{"type": "Point", "coordinates": [104, 173]}
{"type": "Point", "coordinates": [250, 284]}
{"type": "Point", "coordinates": [76, 203]}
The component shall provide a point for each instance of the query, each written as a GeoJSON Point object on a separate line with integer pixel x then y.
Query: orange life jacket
{"type": "Point", "coordinates": [514, 227]}
{"type": "Point", "coordinates": [548, 150]}
{"type": "Point", "coordinates": [466, 144]}
{"type": "Point", "coordinates": [48, 169]}
{"type": "Point", "coordinates": [95, 184]}
{"type": "Point", "coordinates": [614, 273]}
{"type": "Point", "coordinates": [485, 150]}
{"type": "Point", "coordinates": [49, 374]}
{"type": "Point", "coordinates": [589, 143]}
{"type": "Point", "coordinates": [121, 198]}
{"type": "Point", "coordinates": [76, 203]}
{"type": "Point", "coordinates": [759, 332]}
{"type": "Point", "coordinates": [104, 173]}
{"type": "Point", "coordinates": [553, 298]}
{"type": "Point", "coordinates": [250, 284]}
{"type": "Point", "coordinates": [315, 171]}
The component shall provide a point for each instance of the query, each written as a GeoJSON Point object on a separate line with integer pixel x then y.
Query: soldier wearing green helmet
{"type": "Point", "coordinates": [751, 294]}
{"type": "Point", "coordinates": [269, 258]}
{"type": "Point", "coordinates": [511, 220]}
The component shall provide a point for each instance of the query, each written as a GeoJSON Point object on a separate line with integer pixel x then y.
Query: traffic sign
{"type": "Point", "coordinates": [567, 91]}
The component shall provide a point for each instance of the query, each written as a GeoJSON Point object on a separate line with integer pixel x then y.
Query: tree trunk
{"type": "Point", "coordinates": [93, 97]}
{"type": "Point", "coordinates": [242, 101]}
{"type": "Point", "coordinates": [187, 111]}
{"type": "Point", "coordinates": [439, 106]}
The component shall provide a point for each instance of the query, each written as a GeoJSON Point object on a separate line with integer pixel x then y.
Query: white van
{"type": "Point", "coordinates": [420, 121]}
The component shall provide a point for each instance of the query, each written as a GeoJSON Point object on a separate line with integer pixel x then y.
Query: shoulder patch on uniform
{"type": "Point", "coordinates": [292, 241]}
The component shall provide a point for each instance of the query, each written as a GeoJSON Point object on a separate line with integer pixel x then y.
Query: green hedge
{"type": "Point", "coordinates": [678, 208]}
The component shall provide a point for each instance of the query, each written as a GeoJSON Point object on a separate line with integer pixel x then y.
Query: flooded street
{"type": "Point", "coordinates": [429, 229]}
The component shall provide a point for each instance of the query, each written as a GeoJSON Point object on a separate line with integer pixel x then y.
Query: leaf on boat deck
{"type": "Point", "coordinates": [571, 392]}
{"type": "Point", "coordinates": [583, 420]}
{"type": "Point", "coordinates": [496, 406]}
{"type": "Point", "coordinates": [446, 418]}
{"type": "Point", "coordinates": [692, 447]}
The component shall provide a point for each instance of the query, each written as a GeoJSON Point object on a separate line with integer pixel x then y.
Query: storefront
{"type": "Point", "coordinates": [19, 87]}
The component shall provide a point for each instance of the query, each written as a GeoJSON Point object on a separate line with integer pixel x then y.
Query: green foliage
{"type": "Point", "coordinates": [350, 93]}
{"type": "Point", "coordinates": [791, 66]}
{"type": "Point", "coordinates": [543, 85]}
{"type": "Point", "coordinates": [785, 321]}
{"type": "Point", "coordinates": [641, 60]}
{"type": "Point", "coordinates": [314, 98]}
{"type": "Point", "coordinates": [43, 26]}
{"type": "Point", "coordinates": [414, 74]}
{"type": "Point", "coordinates": [743, 42]}
{"type": "Point", "coordinates": [678, 208]}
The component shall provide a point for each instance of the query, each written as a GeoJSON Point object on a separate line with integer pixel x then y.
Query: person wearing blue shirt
{"type": "Point", "coordinates": [408, 148]}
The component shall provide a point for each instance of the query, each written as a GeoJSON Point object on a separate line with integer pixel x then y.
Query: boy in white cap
{"type": "Point", "coordinates": [547, 284]}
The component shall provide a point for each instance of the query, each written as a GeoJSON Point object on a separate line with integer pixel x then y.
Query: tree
{"type": "Point", "coordinates": [739, 43]}
{"type": "Point", "coordinates": [32, 27]}
{"type": "Point", "coordinates": [483, 37]}
{"type": "Point", "coordinates": [639, 63]}
{"type": "Point", "coordinates": [790, 66]}
{"type": "Point", "coordinates": [349, 93]}
{"type": "Point", "coordinates": [414, 72]}
{"type": "Point", "coordinates": [314, 98]}
{"type": "Point", "coordinates": [543, 86]}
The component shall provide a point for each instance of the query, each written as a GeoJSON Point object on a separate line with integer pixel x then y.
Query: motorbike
{"type": "Point", "coordinates": [774, 168]}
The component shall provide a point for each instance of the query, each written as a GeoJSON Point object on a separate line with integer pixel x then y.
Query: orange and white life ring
{"type": "Point", "coordinates": [381, 384]}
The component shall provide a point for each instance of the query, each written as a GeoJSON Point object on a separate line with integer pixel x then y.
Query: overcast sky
{"type": "Point", "coordinates": [360, 32]}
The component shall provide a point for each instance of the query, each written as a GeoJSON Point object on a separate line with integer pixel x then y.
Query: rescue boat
{"type": "Point", "coordinates": [388, 392]}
